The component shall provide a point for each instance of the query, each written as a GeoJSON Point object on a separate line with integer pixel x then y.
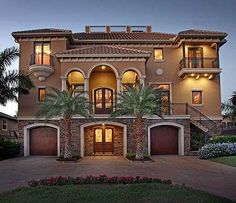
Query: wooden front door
{"type": "Point", "coordinates": [164, 140]}
{"type": "Point", "coordinates": [43, 141]}
{"type": "Point", "coordinates": [103, 100]}
{"type": "Point", "coordinates": [103, 140]}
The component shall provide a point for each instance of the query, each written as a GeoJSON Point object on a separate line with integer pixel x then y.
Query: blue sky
{"type": "Point", "coordinates": [164, 16]}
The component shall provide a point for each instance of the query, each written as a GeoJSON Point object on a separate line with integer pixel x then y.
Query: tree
{"type": "Point", "coordinates": [63, 104]}
{"type": "Point", "coordinates": [229, 107]}
{"type": "Point", "coordinates": [12, 83]}
{"type": "Point", "coordinates": [139, 102]}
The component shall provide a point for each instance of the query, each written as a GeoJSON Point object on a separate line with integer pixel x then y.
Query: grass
{"type": "Point", "coordinates": [227, 160]}
{"type": "Point", "coordinates": [145, 192]}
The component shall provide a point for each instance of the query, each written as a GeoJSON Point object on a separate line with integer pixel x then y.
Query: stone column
{"type": "Point", "coordinates": [119, 85]}
{"type": "Point", "coordinates": [142, 80]}
{"type": "Point", "coordinates": [86, 87]}
{"type": "Point", "coordinates": [63, 83]}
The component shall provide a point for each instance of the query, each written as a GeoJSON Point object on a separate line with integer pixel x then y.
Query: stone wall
{"type": "Point", "coordinates": [118, 147]}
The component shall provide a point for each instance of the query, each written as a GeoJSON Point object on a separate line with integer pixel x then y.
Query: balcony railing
{"type": "Point", "coordinates": [205, 62]}
{"type": "Point", "coordinates": [41, 59]}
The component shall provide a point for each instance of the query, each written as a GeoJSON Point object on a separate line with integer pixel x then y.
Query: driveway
{"type": "Point", "coordinates": [199, 174]}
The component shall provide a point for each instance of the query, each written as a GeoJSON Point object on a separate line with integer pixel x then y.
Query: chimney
{"type": "Point", "coordinates": [87, 29]}
{"type": "Point", "coordinates": [128, 29]}
{"type": "Point", "coordinates": [107, 29]}
{"type": "Point", "coordinates": [149, 29]}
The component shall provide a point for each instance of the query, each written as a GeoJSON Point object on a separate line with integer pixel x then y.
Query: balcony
{"type": "Point", "coordinates": [41, 65]}
{"type": "Point", "coordinates": [199, 67]}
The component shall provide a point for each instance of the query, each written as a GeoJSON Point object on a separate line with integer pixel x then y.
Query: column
{"type": "Point", "coordinates": [63, 83]}
{"type": "Point", "coordinates": [86, 87]}
{"type": "Point", "coordinates": [142, 80]}
{"type": "Point", "coordinates": [118, 84]}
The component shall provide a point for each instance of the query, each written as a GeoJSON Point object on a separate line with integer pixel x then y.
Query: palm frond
{"type": "Point", "coordinates": [8, 56]}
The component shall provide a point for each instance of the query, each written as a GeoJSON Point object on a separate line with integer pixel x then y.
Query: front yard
{"type": "Point", "coordinates": [227, 160]}
{"type": "Point", "coordinates": [145, 192]}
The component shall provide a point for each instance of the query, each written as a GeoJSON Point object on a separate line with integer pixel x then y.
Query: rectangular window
{"type": "Point", "coordinates": [41, 94]}
{"type": "Point", "coordinates": [196, 97]}
{"type": "Point", "coordinates": [165, 96]}
{"type": "Point", "coordinates": [195, 57]}
{"type": "Point", "coordinates": [4, 124]}
{"type": "Point", "coordinates": [42, 51]}
{"type": "Point", "coordinates": [158, 54]}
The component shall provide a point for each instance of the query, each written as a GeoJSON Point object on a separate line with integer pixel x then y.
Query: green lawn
{"type": "Point", "coordinates": [227, 160]}
{"type": "Point", "coordinates": [149, 192]}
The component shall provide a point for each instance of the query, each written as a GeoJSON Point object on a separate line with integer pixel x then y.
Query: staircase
{"type": "Point", "coordinates": [201, 121]}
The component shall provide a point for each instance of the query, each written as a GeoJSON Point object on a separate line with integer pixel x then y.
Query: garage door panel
{"type": "Point", "coordinates": [43, 141]}
{"type": "Point", "coordinates": [164, 140]}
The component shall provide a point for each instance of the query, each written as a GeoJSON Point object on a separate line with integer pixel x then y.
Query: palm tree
{"type": "Point", "coordinates": [12, 83]}
{"type": "Point", "coordinates": [229, 107]}
{"type": "Point", "coordinates": [63, 104]}
{"type": "Point", "coordinates": [139, 102]}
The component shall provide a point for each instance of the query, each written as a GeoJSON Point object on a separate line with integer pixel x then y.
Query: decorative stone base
{"type": "Point", "coordinates": [119, 143]}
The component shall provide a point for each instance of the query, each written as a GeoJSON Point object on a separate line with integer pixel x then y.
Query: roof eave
{"type": "Point", "coordinates": [102, 55]}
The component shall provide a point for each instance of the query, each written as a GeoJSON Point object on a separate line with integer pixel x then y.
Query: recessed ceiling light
{"type": "Point", "coordinates": [103, 67]}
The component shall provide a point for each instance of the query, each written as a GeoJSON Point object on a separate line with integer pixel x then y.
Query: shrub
{"type": "Point", "coordinates": [217, 150]}
{"type": "Point", "coordinates": [131, 155]}
{"type": "Point", "coordinates": [196, 141]}
{"type": "Point", "coordinates": [102, 179]}
{"type": "Point", "coordinates": [8, 148]}
{"type": "Point", "coordinates": [223, 139]}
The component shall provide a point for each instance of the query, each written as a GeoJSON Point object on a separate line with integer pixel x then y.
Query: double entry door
{"type": "Point", "coordinates": [103, 140]}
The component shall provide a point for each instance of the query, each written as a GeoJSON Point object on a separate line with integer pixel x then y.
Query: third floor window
{"type": "Point", "coordinates": [42, 51]}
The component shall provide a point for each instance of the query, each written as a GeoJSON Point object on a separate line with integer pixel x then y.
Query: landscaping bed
{"type": "Point", "coordinates": [143, 192]}
{"type": "Point", "coordinates": [72, 159]}
{"type": "Point", "coordinates": [131, 157]}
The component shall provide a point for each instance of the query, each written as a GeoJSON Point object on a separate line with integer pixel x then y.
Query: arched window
{"type": "Point", "coordinates": [129, 79]}
{"type": "Point", "coordinates": [75, 82]}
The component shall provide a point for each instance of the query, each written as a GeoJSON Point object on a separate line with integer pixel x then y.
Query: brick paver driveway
{"type": "Point", "coordinates": [200, 174]}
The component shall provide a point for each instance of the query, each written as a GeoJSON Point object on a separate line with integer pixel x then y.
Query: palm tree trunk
{"type": "Point", "coordinates": [139, 144]}
{"type": "Point", "coordinates": [67, 152]}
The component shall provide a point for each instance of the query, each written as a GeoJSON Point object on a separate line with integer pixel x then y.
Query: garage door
{"type": "Point", "coordinates": [164, 140]}
{"type": "Point", "coordinates": [43, 141]}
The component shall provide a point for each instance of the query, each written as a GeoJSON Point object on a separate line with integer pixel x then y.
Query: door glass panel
{"type": "Point", "coordinates": [195, 57]}
{"type": "Point", "coordinates": [108, 98]}
{"type": "Point", "coordinates": [99, 99]}
{"type": "Point", "coordinates": [38, 53]}
{"type": "Point", "coordinates": [46, 53]}
{"type": "Point", "coordinates": [108, 135]}
{"type": "Point", "coordinates": [98, 135]}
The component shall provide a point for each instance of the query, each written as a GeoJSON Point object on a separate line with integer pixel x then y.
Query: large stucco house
{"type": "Point", "coordinates": [103, 61]}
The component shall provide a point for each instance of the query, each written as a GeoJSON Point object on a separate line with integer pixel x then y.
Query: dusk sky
{"type": "Point", "coordinates": [170, 16]}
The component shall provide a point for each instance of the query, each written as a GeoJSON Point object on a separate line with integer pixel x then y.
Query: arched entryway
{"type": "Point", "coordinates": [75, 82]}
{"type": "Point", "coordinates": [103, 138]}
{"type": "Point", "coordinates": [42, 139]}
{"type": "Point", "coordinates": [130, 78]}
{"type": "Point", "coordinates": [102, 89]}
{"type": "Point", "coordinates": [166, 138]}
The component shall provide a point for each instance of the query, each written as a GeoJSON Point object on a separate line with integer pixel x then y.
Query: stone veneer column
{"type": "Point", "coordinates": [142, 80]}
{"type": "Point", "coordinates": [118, 84]}
{"type": "Point", "coordinates": [63, 83]}
{"type": "Point", "coordinates": [86, 87]}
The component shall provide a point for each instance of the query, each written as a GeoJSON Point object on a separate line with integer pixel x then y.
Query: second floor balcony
{"type": "Point", "coordinates": [199, 67]}
{"type": "Point", "coordinates": [41, 65]}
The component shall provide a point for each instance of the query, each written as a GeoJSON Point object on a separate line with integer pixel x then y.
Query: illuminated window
{"type": "Point", "coordinates": [41, 94]}
{"type": "Point", "coordinates": [158, 54]}
{"type": "Point", "coordinates": [108, 135]}
{"type": "Point", "coordinates": [4, 124]}
{"type": "Point", "coordinates": [196, 97]}
{"type": "Point", "coordinates": [98, 135]}
{"type": "Point", "coordinates": [42, 53]}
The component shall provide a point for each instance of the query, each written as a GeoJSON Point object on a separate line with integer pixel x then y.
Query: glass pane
{"type": "Point", "coordinates": [38, 53]}
{"type": "Point", "coordinates": [197, 97]}
{"type": "Point", "coordinates": [158, 54]}
{"type": "Point", "coordinates": [99, 99]}
{"type": "Point", "coordinates": [98, 135]}
{"type": "Point", "coordinates": [46, 54]}
{"type": "Point", "coordinates": [108, 135]}
{"type": "Point", "coordinates": [108, 98]}
{"type": "Point", "coordinates": [42, 94]}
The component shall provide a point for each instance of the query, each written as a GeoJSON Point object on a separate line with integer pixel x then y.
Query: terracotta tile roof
{"type": "Point", "coordinates": [202, 32]}
{"type": "Point", "coordinates": [3, 115]}
{"type": "Point", "coordinates": [44, 30]}
{"type": "Point", "coordinates": [101, 50]}
{"type": "Point", "coordinates": [137, 36]}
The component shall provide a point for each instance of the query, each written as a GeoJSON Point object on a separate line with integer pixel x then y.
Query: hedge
{"type": "Point", "coordinates": [8, 148]}
{"type": "Point", "coordinates": [102, 179]}
{"type": "Point", "coordinates": [217, 150]}
{"type": "Point", "coordinates": [223, 139]}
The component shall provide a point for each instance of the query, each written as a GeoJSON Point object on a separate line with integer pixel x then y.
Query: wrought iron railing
{"type": "Point", "coordinates": [205, 62]}
{"type": "Point", "coordinates": [41, 58]}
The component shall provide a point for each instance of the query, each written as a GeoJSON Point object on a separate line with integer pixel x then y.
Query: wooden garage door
{"type": "Point", "coordinates": [43, 141]}
{"type": "Point", "coordinates": [164, 140]}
